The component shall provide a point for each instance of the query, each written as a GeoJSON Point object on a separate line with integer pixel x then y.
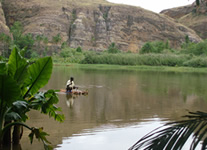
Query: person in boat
{"type": "Point", "coordinates": [70, 85]}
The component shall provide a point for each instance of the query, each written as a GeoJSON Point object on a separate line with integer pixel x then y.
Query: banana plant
{"type": "Point", "coordinates": [20, 81]}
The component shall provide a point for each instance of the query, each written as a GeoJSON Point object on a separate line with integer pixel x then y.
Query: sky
{"type": "Point", "coordinates": [154, 5]}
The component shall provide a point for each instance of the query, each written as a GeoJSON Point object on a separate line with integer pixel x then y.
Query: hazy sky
{"type": "Point", "coordinates": [154, 5]}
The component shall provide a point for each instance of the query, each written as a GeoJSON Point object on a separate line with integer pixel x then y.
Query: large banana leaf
{"type": "Point", "coordinates": [17, 66]}
{"type": "Point", "coordinates": [39, 73]}
{"type": "Point", "coordinates": [9, 90]}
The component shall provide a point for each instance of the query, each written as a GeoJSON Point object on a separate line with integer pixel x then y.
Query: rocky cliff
{"type": "Point", "coordinates": [3, 28]}
{"type": "Point", "coordinates": [192, 16]}
{"type": "Point", "coordinates": [95, 24]}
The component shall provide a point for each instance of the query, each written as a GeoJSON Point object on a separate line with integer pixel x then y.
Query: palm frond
{"type": "Point", "coordinates": [174, 135]}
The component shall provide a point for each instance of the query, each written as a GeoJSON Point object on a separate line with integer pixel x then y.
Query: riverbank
{"type": "Point", "coordinates": [138, 68]}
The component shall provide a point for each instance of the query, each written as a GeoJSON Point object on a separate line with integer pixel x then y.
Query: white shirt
{"type": "Point", "coordinates": [70, 84]}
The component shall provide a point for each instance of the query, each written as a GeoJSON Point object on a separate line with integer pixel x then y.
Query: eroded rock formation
{"type": "Point", "coordinates": [192, 16]}
{"type": "Point", "coordinates": [95, 24]}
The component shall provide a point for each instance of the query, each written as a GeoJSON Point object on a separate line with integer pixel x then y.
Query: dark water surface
{"type": "Point", "coordinates": [121, 107]}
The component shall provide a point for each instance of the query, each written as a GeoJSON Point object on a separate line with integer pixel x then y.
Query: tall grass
{"type": "Point", "coordinates": [137, 59]}
{"type": "Point", "coordinates": [152, 54]}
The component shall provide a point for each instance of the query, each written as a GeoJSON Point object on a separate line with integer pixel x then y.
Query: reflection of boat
{"type": "Point", "coordinates": [75, 91]}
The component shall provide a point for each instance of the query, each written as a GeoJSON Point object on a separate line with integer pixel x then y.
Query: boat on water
{"type": "Point", "coordinates": [75, 92]}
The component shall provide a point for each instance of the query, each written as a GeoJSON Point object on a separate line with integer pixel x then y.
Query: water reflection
{"type": "Point", "coordinates": [118, 100]}
{"type": "Point", "coordinates": [108, 137]}
{"type": "Point", "coordinates": [70, 99]}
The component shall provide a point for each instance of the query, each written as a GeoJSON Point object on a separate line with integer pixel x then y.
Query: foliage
{"type": "Point", "coordinates": [136, 59]}
{"type": "Point", "coordinates": [56, 39]}
{"type": "Point", "coordinates": [79, 49]}
{"type": "Point", "coordinates": [154, 54]}
{"type": "Point", "coordinates": [20, 81]}
{"type": "Point", "coordinates": [174, 135]}
{"type": "Point", "coordinates": [154, 47]}
{"type": "Point", "coordinates": [113, 49]}
{"type": "Point", "coordinates": [64, 45]}
{"type": "Point", "coordinates": [69, 55]}
{"type": "Point", "coordinates": [21, 40]}
{"type": "Point", "coordinates": [16, 30]}
{"type": "Point", "coordinates": [34, 54]}
{"type": "Point", "coordinates": [67, 52]}
{"type": "Point", "coordinates": [195, 48]}
{"type": "Point", "coordinates": [6, 39]}
{"type": "Point", "coordinates": [196, 62]}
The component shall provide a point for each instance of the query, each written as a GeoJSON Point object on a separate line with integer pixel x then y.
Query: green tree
{"type": "Point", "coordinates": [79, 49]}
{"type": "Point", "coordinates": [20, 81]}
{"type": "Point", "coordinates": [21, 40]}
{"type": "Point", "coordinates": [16, 30]}
{"type": "Point", "coordinates": [154, 47]}
{"type": "Point", "coordinates": [147, 48]}
{"type": "Point", "coordinates": [7, 41]}
{"type": "Point", "coordinates": [113, 48]}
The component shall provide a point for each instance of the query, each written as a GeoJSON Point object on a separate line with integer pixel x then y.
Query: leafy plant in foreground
{"type": "Point", "coordinates": [174, 135]}
{"type": "Point", "coordinates": [20, 81]}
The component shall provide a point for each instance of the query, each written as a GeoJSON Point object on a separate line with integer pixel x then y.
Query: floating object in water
{"type": "Point", "coordinates": [76, 92]}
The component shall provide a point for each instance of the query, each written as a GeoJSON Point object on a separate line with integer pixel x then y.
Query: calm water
{"type": "Point", "coordinates": [122, 106]}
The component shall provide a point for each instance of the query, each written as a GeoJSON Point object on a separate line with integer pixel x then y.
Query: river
{"type": "Point", "coordinates": [121, 107]}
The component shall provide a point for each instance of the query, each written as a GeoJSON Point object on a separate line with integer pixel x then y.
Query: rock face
{"type": "Point", "coordinates": [191, 16]}
{"type": "Point", "coordinates": [178, 12]}
{"type": "Point", "coordinates": [3, 28]}
{"type": "Point", "coordinates": [95, 24]}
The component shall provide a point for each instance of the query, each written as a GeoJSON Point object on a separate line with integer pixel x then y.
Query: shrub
{"type": "Point", "coordinates": [154, 47]}
{"type": "Point", "coordinates": [69, 55]}
{"type": "Point", "coordinates": [136, 59]}
{"type": "Point", "coordinates": [147, 48]}
{"type": "Point", "coordinates": [67, 52]}
{"type": "Point", "coordinates": [195, 48]}
{"type": "Point", "coordinates": [113, 49]}
{"type": "Point", "coordinates": [56, 39]}
{"type": "Point", "coordinates": [79, 49]}
{"type": "Point", "coordinates": [34, 54]}
{"type": "Point", "coordinates": [199, 49]}
{"type": "Point", "coordinates": [196, 62]}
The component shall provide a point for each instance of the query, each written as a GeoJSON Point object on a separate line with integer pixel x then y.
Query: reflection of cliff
{"type": "Point", "coordinates": [175, 84]}
{"type": "Point", "coordinates": [122, 97]}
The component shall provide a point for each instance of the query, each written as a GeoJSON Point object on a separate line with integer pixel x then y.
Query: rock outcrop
{"type": "Point", "coordinates": [3, 29]}
{"type": "Point", "coordinates": [178, 12]}
{"type": "Point", "coordinates": [94, 25]}
{"type": "Point", "coordinates": [192, 16]}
